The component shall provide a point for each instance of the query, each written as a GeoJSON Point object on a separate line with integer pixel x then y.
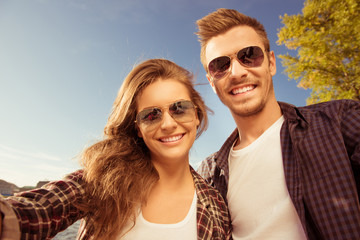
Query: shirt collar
{"type": "Point", "coordinates": [290, 112]}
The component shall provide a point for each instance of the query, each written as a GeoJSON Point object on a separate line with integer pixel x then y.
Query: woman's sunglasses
{"type": "Point", "coordinates": [181, 111]}
{"type": "Point", "coordinates": [248, 57]}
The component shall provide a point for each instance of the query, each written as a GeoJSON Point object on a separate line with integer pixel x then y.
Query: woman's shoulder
{"type": "Point", "coordinates": [213, 208]}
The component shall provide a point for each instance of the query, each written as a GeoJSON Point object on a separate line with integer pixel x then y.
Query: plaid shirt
{"type": "Point", "coordinates": [42, 213]}
{"type": "Point", "coordinates": [321, 157]}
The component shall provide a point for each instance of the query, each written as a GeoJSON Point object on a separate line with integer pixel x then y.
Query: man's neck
{"type": "Point", "coordinates": [252, 127]}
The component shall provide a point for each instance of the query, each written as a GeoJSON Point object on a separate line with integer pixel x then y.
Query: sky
{"type": "Point", "coordinates": [63, 61]}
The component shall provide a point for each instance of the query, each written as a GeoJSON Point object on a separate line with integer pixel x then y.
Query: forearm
{"type": "Point", "coordinates": [42, 213]}
{"type": "Point", "coordinates": [9, 223]}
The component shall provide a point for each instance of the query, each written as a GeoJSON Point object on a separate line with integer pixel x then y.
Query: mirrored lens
{"type": "Point", "coordinates": [219, 66]}
{"type": "Point", "coordinates": [181, 111]}
{"type": "Point", "coordinates": [149, 115]}
{"type": "Point", "coordinates": [251, 56]}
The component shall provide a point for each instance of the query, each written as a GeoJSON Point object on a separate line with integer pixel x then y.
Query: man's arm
{"type": "Point", "coordinates": [350, 128]}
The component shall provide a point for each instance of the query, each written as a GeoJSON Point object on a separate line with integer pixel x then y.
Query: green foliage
{"type": "Point", "coordinates": [327, 39]}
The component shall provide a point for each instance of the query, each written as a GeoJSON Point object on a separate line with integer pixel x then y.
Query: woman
{"type": "Point", "coordinates": [137, 182]}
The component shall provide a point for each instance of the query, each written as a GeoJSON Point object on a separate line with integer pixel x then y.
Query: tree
{"type": "Point", "coordinates": [327, 39]}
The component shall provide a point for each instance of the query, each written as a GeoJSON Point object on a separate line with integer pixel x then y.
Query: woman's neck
{"type": "Point", "coordinates": [170, 198]}
{"type": "Point", "coordinates": [173, 173]}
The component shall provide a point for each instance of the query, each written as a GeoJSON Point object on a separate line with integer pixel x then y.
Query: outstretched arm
{"type": "Point", "coordinates": [42, 213]}
{"type": "Point", "coordinates": [9, 226]}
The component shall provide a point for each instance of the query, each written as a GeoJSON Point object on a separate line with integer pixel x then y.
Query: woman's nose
{"type": "Point", "coordinates": [167, 121]}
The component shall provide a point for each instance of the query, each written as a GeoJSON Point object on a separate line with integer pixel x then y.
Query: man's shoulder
{"type": "Point", "coordinates": [218, 160]}
{"type": "Point", "coordinates": [202, 185]}
{"type": "Point", "coordinates": [330, 108]}
{"type": "Point", "coordinates": [207, 167]}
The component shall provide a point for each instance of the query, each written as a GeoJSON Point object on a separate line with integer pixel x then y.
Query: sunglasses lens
{"type": "Point", "coordinates": [181, 111]}
{"type": "Point", "coordinates": [251, 56]}
{"type": "Point", "coordinates": [219, 66]}
{"type": "Point", "coordinates": [149, 116]}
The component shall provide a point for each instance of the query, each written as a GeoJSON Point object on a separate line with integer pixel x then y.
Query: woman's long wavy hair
{"type": "Point", "coordinates": [118, 171]}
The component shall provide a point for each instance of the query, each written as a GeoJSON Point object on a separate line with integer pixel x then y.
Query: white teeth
{"type": "Point", "coordinates": [171, 139]}
{"type": "Point", "coordinates": [242, 90]}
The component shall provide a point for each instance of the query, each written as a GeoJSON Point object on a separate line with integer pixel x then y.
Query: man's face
{"type": "Point", "coordinates": [245, 91]}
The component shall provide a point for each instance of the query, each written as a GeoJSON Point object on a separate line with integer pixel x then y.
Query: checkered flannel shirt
{"type": "Point", "coordinates": [321, 157]}
{"type": "Point", "coordinates": [42, 213]}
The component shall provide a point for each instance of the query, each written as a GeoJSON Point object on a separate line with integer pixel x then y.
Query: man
{"type": "Point", "coordinates": [287, 172]}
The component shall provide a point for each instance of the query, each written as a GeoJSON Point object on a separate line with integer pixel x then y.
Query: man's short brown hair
{"type": "Point", "coordinates": [222, 20]}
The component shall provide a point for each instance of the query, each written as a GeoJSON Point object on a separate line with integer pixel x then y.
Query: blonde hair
{"type": "Point", "coordinates": [221, 21]}
{"type": "Point", "coordinates": [117, 170]}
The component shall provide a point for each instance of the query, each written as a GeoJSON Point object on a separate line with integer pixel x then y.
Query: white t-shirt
{"type": "Point", "coordinates": [259, 202]}
{"type": "Point", "coordinates": [145, 230]}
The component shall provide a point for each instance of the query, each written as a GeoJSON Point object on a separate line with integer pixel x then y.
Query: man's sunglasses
{"type": "Point", "coordinates": [249, 57]}
{"type": "Point", "coordinates": [181, 111]}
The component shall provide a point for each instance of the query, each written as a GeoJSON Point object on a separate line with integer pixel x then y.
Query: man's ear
{"type": "Point", "coordinates": [272, 63]}
{"type": "Point", "coordinates": [211, 83]}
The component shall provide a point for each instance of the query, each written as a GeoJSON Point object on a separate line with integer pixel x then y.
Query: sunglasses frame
{"type": "Point", "coordinates": [163, 109]}
{"type": "Point", "coordinates": [231, 57]}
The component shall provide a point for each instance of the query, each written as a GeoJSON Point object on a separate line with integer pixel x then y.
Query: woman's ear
{"type": "Point", "coordinates": [138, 131]}
{"type": "Point", "coordinates": [197, 118]}
{"type": "Point", "coordinates": [197, 122]}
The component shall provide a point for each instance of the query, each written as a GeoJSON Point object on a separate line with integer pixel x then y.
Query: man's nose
{"type": "Point", "coordinates": [237, 70]}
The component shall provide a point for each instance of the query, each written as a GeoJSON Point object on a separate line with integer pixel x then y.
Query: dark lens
{"type": "Point", "coordinates": [219, 66]}
{"type": "Point", "coordinates": [149, 116]}
{"type": "Point", "coordinates": [182, 110]}
{"type": "Point", "coordinates": [251, 56]}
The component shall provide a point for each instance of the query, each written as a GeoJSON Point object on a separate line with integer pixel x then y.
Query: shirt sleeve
{"type": "Point", "coordinates": [42, 213]}
{"type": "Point", "coordinates": [350, 127]}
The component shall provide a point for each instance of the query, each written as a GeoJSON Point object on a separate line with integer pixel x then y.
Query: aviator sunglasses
{"type": "Point", "coordinates": [181, 111]}
{"type": "Point", "coordinates": [249, 57]}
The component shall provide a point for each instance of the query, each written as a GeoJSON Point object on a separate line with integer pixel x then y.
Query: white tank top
{"type": "Point", "coordinates": [259, 202]}
{"type": "Point", "coordinates": [145, 230]}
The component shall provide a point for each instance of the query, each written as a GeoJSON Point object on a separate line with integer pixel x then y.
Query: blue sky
{"type": "Point", "coordinates": [63, 61]}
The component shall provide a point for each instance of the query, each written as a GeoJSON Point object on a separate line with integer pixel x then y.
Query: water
{"type": "Point", "coordinates": [69, 234]}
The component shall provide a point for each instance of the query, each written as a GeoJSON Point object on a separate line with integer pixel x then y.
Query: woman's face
{"type": "Point", "coordinates": [169, 140]}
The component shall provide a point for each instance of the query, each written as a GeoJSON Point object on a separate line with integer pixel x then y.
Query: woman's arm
{"type": "Point", "coordinates": [42, 213]}
{"type": "Point", "coordinates": [9, 224]}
